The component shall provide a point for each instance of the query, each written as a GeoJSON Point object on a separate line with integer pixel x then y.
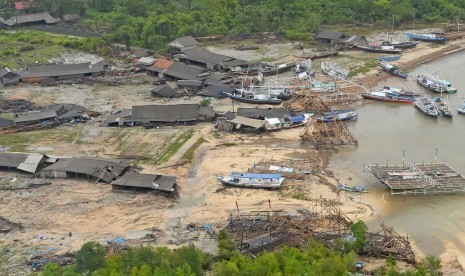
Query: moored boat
{"type": "Point", "coordinates": [425, 105]}
{"type": "Point", "coordinates": [442, 107]}
{"type": "Point", "coordinates": [393, 69]}
{"type": "Point", "coordinates": [389, 58]}
{"type": "Point", "coordinates": [286, 122]}
{"type": "Point", "coordinates": [461, 108]}
{"type": "Point", "coordinates": [314, 56]}
{"type": "Point", "coordinates": [252, 180]}
{"type": "Point", "coordinates": [434, 84]}
{"type": "Point", "coordinates": [338, 115]}
{"type": "Point", "coordinates": [426, 37]}
{"type": "Point", "coordinates": [254, 98]}
{"type": "Point", "coordinates": [356, 188]}
{"type": "Point", "coordinates": [270, 70]}
{"type": "Point", "coordinates": [399, 91]}
{"type": "Point", "coordinates": [388, 97]}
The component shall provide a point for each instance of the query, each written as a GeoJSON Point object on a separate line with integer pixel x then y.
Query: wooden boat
{"type": "Point", "coordinates": [388, 97]}
{"type": "Point", "coordinates": [461, 109]}
{"type": "Point", "coordinates": [254, 98]}
{"type": "Point", "coordinates": [434, 84]}
{"type": "Point", "coordinates": [442, 107]}
{"type": "Point", "coordinates": [280, 92]}
{"type": "Point", "coordinates": [319, 55]}
{"type": "Point", "coordinates": [303, 69]}
{"type": "Point", "coordinates": [426, 37]}
{"type": "Point", "coordinates": [316, 86]}
{"type": "Point", "coordinates": [252, 180]}
{"type": "Point", "coordinates": [277, 69]}
{"type": "Point", "coordinates": [425, 105]}
{"type": "Point", "coordinates": [356, 189]}
{"type": "Point", "coordinates": [389, 58]}
{"type": "Point", "coordinates": [286, 122]}
{"type": "Point", "coordinates": [401, 45]}
{"type": "Point", "coordinates": [392, 69]}
{"type": "Point", "coordinates": [338, 115]}
{"type": "Point", "coordinates": [379, 49]}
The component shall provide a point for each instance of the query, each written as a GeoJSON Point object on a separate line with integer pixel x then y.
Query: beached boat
{"type": "Point", "coordinates": [252, 180]}
{"type": "Point", "coordinates": [401, 45]}
{"type": "Point", "coordinates": [278, 91]}
{"type": "Point", "coordinates": [270, 70]}
{"type": "Point", "coordinates": [254, 98]}
{"type": "Point", "coordinates": [389, 58]}
{"type": "Point", "coordinates": [426, 37]}
{"type": "Point", "coordinates": [314, 56]}
{"type": "Point", "coordinates": [338, 115]}
{"type": "Point", "coordinates": [442, 107]}
{"type": "Point", "coordinates": [392, 69]}
{"type": "Point", "coordinates": [399, 91]}
{"type": "Point", "coordinates": [334, 70]}
{"type": "Point", "coordinates": [303, 69]}
{"type": "Point", "coordinates": [434, 84]}
{"type": "Point", "coordinates": [461, 108]}
{"type": "Point", "coordinates": [286, 122]}
{"type": "Point", "coordinates": [379, 49]}
{"type": "Point", "coordinates": [317, 86]}
{"type": "Point", "coordinates": [356, 188]}
{"type": "Point", "coordinates": [425, 105]}
{"type": "Point", "coordinates": [388, 97]}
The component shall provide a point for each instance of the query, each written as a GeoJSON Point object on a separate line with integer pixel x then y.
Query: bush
{"type": "Point", "coordinates": [90, 257]}
{"type": "Point", "coordinates": [206, 102]}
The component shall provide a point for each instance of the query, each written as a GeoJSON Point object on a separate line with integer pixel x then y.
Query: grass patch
{"type": "Point", "coordinates": [188, 156]}
{"type": "Point", "coordinates": [172, 148]}
{"type": "Point", "coordinates": [366, 65]}
{"type": "Point", "coordinates": [293, 192]}
{"type": "Point", "coordinates": [18, 142]}
{"type": "Point", "coordinates": [8, 116]}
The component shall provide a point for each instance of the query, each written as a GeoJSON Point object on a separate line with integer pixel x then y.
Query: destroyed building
{"type": "Point", "coordinates": [209, 60]}
{"type": "Point", "coordinates": [9, 77]}
{"type": "Point", "coordinates": [30, 19]}
{"type": "Point", "coordinates": [158, 67]}
{"type": "Point", "coordinates": [26, 162]}
{"type": "Point", "coordinates": [134, 181]}
{"type": "Point", "coordinates": [35, 117]}
{"type": "Point", "coordinates": [179, 71]}
{"type": "Point", "coordinates": [261, 113]}
{"type": "Point", "coordinates": [106, 170]}
{"type": "Point", "coordinates": [165, 91]}
{"type": "Point", "coordinates": [328, 36]}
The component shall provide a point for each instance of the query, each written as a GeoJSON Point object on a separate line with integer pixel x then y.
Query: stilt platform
{"type": "Point", "coordinates": [419, 179]}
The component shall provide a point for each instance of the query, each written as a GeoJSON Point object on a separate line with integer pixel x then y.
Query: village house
{"type": "Point", "coordinates": [179, 71]}
{"type": "Point", "coordinates": [30, 19]}
{"type": "Point", "coordinates": [328, 36]}
{"type": "Point", "coordinates": [209, 60]}
{"type": "Point", "coordinates": [158, 67]}
{"type": "Point", "coordinates": [55, 72]}
{"type": "Point", "coordinates": [181, 44]}
{"type": "Point", "coordinates": [35, 117]}
{"type": "Point", "coordinates": [26, 162]}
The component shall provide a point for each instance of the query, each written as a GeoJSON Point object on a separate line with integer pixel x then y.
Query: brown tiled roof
{"type": "Point", "coordinates": [163, 63]}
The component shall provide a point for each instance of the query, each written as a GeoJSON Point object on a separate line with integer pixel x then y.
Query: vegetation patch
{"type": "Point", "coordinates": [172, 148]}
{"type": "Point", "coordinates": [188, 156]}
{"type": "Point", "coordinates": [364, 67]}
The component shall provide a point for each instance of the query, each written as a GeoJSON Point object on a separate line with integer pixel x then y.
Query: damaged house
{"type": "Point", "coordinates": [99, 169]}
{"type": "Point", "coordinates": [26, 162]}
{"type": "Point", "coordinates": [179, 71]}
{"type": "Point", "coordinates": [328, 36]}
{"type": "Point", "coordinates": [209, 60]}
{"type": "Point", "coordinates": [20, 20]}
{"type": "Point", "coordinates": [9, 77]}
{"type": "Point", "coordinates": [181, 44]}
{"type": "Point", "coordinates": [134, 181]}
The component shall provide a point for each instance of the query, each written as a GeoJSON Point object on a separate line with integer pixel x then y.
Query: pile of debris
{"type": "Point", "coordinates": [298, 169]}
{"type": "Point", "coordinates": [18, 183]}
{"type": "Point", "coordinates": [327, 134]}
{"type": "Point", "coordinates": [255, 232]}
{"type": "Point", "coordinates": [38, 263]}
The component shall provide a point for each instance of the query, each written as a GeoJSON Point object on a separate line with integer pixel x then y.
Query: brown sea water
{"type": "Point", "coordinates": [385, 131]}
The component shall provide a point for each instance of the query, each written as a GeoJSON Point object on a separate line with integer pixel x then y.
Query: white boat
{"type": "Point", "coordinates": [334, 70]}
{"type": "Point", "coordinates": [425, 105]}
{"type": "Point", "coordinates": [442, 107]}
{"type": "Point", "coordinates": [435, 84]}
{"type": "Point", "coordinates": [461, 109]}
{"type": "Point", "coordinates": [252, 180]}
{"type": "Point", "coordinates": [286, 122]}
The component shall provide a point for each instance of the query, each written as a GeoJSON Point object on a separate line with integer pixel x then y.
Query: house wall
{"type": "Point", "coordinates": [222, 124]}
{"type": "Point", "coordinates": [10, 80]}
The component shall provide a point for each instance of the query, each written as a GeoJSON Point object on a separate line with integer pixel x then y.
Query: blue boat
{"type": "Point", "coordinates": [356, 189]}
{"type": "Point", "coordinates": [389, 58]}
{"type": "Point", "coordinates": [426, 37]}
{"type": "Point", "coordinates": [338, 115]}
{"type": "Point", "coordinates": [252, 180]}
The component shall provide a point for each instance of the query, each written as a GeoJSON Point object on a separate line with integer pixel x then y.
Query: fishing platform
{"type": "Point", "coordinates": [419, 179]}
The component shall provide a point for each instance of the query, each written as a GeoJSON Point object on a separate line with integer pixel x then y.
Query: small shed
{"type": "Point", "coordinates": [329, 36]}
{"type": "Point", "coordinates": [9, 77]}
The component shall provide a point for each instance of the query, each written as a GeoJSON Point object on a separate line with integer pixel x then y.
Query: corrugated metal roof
{"type": "Point", "coordinates": [34, 17]}
{"type": "Point", "coordinates": [186, 72]}
{"type": "Point", "coordinates": [165, 113]}
{"type": "Point", "coordinates": [182, 42]}
{"type": "Point", "coordinates": [28, 162]}
{"type": "Point", "coordinates": [6, 70]}
{"type": "Point", "coordinates": [146, 61]}
{"type": "Point", "coordinates": [262, 112]}
{"type": "Point", "coordinates": [152, 181]}
{"type": "Point", "coordinates": [56, 70]}
{"type": "Point", "coordinates": [165, 91]}
{"type": "Point", "coordinates": [205, 56]}
{"type": "Point", "coordinates": [329, 34]}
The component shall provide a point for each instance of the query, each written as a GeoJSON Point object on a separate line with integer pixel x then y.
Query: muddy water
{"type": "Point", "coordinates": [385, 131]}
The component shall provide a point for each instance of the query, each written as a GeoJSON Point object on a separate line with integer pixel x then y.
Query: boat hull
{"type": "Point", "coordinates": [388, 99]}
{"type": "Point", "coordinates": [389, 58]}
{"type": "Point", "coordinates": [230, 182]}
{"type": "Point", "coordinates": [426, 38]}
{"type": "Point", "coordinates": [254, 101]}
{"type": "Point", "coordinates": [435, 89]}
{"type": "Point", "coordinates": [278, 70]}
{"type": "Point", "coordinates": [379, 50]}
{"type": "Point", "coordinates": [394, 71]}
{"type": "Point", "coordinates": [320, 55]}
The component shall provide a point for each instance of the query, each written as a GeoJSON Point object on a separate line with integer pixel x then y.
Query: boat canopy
{"type": "Point", "coordinates": [298, 119]}
{"type": "Point", "coordinates": [255, 175]}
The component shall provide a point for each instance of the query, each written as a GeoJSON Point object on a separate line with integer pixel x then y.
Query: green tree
{"type": "Point", "coordinates": [90, 257]}
{"type": "Point", "coordinates": [359, 230]}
